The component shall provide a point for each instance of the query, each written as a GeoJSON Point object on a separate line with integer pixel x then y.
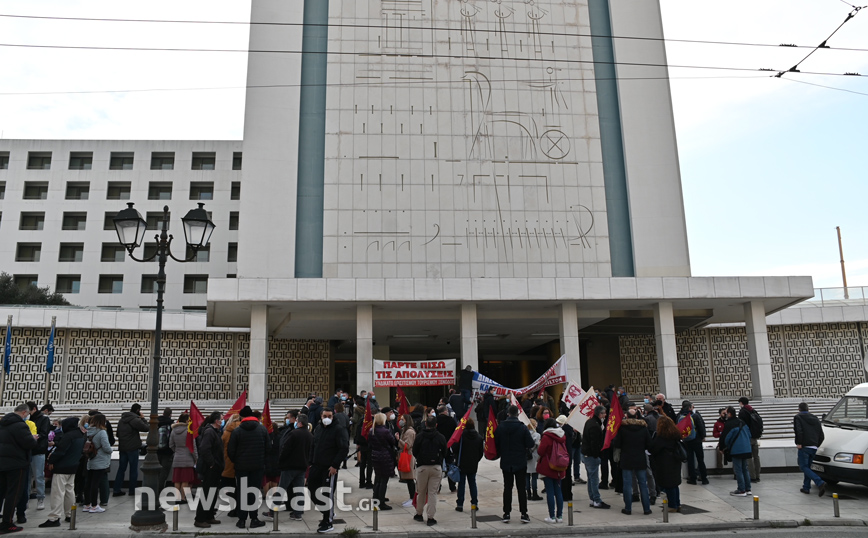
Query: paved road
{"type": "Point", "coordinates": [770, 533]}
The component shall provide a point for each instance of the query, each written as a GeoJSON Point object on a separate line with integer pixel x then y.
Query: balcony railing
{"type": "Point", "coordinates": [851, 295]}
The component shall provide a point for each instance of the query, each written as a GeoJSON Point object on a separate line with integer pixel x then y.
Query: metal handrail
{"type": "Point", "coordinates": [851, 295]}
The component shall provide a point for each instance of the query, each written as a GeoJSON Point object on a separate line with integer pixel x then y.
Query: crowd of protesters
{"type": "Point", "coordinates": [537, 449]}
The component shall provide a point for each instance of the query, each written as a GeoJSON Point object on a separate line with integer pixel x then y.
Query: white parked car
{"type": "Point", "coordinates": [843, 456]}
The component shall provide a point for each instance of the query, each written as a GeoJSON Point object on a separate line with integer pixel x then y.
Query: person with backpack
{"type": "Point", "coordinates": [99, 460]}
{"type": "Point", "coordinates": [754, 422]}
{"type": "Point", "coordinates": [164, 453]}
{"type": "Point", "coordinates": [668, 456]}
{"type": "Point", "coordinates": [693, 444]}
{"type": "Point", "coordinates": [735, 445]}
{"type": "Point", "coordinates": [554, 460]}
{"type": "Point", "coordinates": [63, 463]}
{"type": "Point", "coordinates": [633, 439]}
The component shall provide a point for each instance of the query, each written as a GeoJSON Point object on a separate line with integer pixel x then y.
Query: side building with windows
{"type": "Point", "coordinates": [58, 198]}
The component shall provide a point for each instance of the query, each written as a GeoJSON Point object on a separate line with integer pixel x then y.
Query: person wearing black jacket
{"type": "Point", "coordinates": [465, 384]}
{"type": "Point", "coordinates": [592, 445]}
{"type": "Point", "coordinates": [512, 439]}
{"type": "Point", "coordinates": [247, 449]}
{"type": "Point", "coordinates": [695, 454]}
{"type": "Point", "coordinates": [330, 447]}
{"type": "Point", "coordinates": [165, 454]}
{"type": "Point", "coordinates": [40, 417]}
{"type": "Point", "coordinates": [293, 462]}
{"type": "Point", "coordinates": [469, 453]}
{"type": "Point", "coordinates": [456, 401]}
{"type": "Point", "coordinates": [633, 439]}
{"type": "Point", "coordinates": [569, 438]}
{"type": "Point", "coordinates": [666, 407]}
{"type": "Point", "coordinates": [809, 436]}
{"type": "Point", "coordinates": [64, 464]}
{"type": "Point", "coordinates": [446, 426]}
{"type": "Point", "coordinates": [209, 468]}
{"type": "Point", "coordinates": [429, 449]}
{"type": "Point", "coordinates": [482, 410]}
{"type": "Point", "coordinates": [16, 442]}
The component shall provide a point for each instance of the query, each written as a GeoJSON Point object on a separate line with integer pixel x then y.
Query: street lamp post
{"type": "Point", "coordinates": [131, 229]}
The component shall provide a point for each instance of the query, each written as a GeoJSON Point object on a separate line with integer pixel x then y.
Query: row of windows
{"type": "Point", "coordinates": [77, 220]}
{"type": "Point", "coordinates": [120, 190]}
{"type": "Point", "coordinates": [121, 160]}
{"type": "Point", "coordinates": [111, 252]}
{"type": "Point", "coordinates": [115, 283]}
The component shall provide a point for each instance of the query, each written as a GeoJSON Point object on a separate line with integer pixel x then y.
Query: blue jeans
{"type": "Point", "coordinates": [554, 497]}
{"type": "Point", "coordinates": [576, 463]}
{"type": "Point", "coordinates": [531, 482]}
{"type": "Point", "coordinates": [37, 470]}
{"type": "Point", "coordinates": [742, 473]}
{"type": "Point", "coordinates": [131, 458]}
{"type": "Point", "coordinates": [592, 467]}
{"type": "Point", "coordinates": [673, 496]}
{"type": "Point", "coordinates": [642, 478]}
{"type": "Point", "coordinates": [471, 483]}
{"type": "Point", "coordinates": [806, 457]}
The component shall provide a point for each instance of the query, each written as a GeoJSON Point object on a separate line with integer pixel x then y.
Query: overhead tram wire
{"type": "Point", "coordinates": [795, 68]}
{"type": "Point", "coordinates": [428, 28]}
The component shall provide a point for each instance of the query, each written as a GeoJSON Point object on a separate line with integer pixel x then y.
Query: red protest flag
{"type": "Point", "coordinates": [266, 418]}
{"type": "Point", "coordinates": [368, 422]}
{"type": "Point", "coordinates": [403, 403]}
{"type": "Point", "coordinates": [616, 415]}
{"type": "Point", "coordinates": [685, 426]}
{"type": "Point", "coordinates": [456, 435]}
{"type": "Point", "coordinates": [490, 449]}
{"type": "Point", "coordinates": [238, 405]}
{"type": "Point", "coordinates": [196, 419]}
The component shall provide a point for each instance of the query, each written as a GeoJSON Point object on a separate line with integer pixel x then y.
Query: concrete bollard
{"type": "Point", "coordinates": [570, 513]}
{"type": "Point", "coordinates": [835, 505]}
{"type": "Point", "coordinates": [276, 516]}
{"type": "Point", "coordinates": [376, 519]}
{"type": "Point", "coordinates": [175, 517]}
{"type": "Point", "coordinates": [72, 512]}
{"type": "Point", "coordinates": [756, 507]}
{"type": "Point", "coordinates": [473, 509]}
{"type": "Point", "coordinates": [665, 510]}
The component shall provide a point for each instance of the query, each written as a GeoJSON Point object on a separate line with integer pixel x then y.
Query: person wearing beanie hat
{"type": "Point", "coordinates": [248, 450]}
{"type": "Point", "coordinates": [246, 411]}
{"type": "Point", "coordinates": [562, 420]}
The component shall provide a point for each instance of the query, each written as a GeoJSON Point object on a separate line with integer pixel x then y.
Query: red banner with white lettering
{"type": "Point", "coordinates": [429, 373]}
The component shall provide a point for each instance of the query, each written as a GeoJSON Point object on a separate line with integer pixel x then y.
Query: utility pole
{"type": "Point", "coordinates": [843, 271]}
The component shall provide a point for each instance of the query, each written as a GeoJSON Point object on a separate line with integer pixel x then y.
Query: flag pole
{"type": "Point", "coordinates": [51, 354]}
{"type": "Point", "coordinates": [5, 358]}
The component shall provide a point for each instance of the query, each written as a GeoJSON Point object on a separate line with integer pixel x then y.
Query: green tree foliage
{"type": "Point", "coordinates": [12, 293]}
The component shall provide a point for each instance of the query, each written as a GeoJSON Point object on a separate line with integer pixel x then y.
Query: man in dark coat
{"type": "Point", "coordinates": [569, 439]}
{"type": "Point", "coordinates": [482, 409]}
{"type": "Point", "coordinates": [512, 439]}
{"type": "Point", "coordinates": [471, 447]}
{"type": "Point", "coordinates": [592, 446]}
{"type": "Point", "coordinates": [16, 443]}
{"type": "Point", "coordinates": [209, 467]}
{"type": "Point", "coordinates": [633, 439]}
{"type": "Point", "coordinates": [465, 384]}
{"type": "Point", "coordinates": [745, 415]}
{"type": "Point", "coordinates": [456, 401]}
{"type": "Point", "coordinates": [40, 417]}
{"type": "Point", "coordinates": [330, 447]}
{"type": "Point", "coordinates": [293, 463]}
{"type": "Point", "coordinates": [164, 452]}
{"type": "Point", "coordinates": [247, 449]}
{"type": "Point", "coordinates": [666, 407]}
{"type": "Point", "coordinates": [809, 436]}
{"type": "Point", "coordinates": [446, 426]}
{"type": "Point", "coordinates": [429, 449]}
{"type": "Point", "coordinates": [129, 443]}
{"type": "Point", "coordinates": [693, 444]}
{"type": "Point", "coordinates": [64, 463]}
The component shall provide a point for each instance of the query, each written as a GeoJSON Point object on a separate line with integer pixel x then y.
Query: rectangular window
{"type": "Point", "coordinates": [195, 283]}
{"type": "Point", "coordinates": [71, 252]}
{"type": "Point", "coordinates": [204, 160]}
{"type": "Point", "coordinates": [159, 190]}
{"type": "Point", "coordinates": [150, 252]}
{"type": "Point", "coordinates": [77, 190]}
{"type": "Point", "coordinates": [231, 275]}
{"type": "Point", "coordinates": [118, 190]}
{"type": "Point", "coordinates": [2, 190]}
{"type": "Point", "coordinates": [25, 281]}
{"type": "Point", "coordinates": [109, 223]}
{"type": "Point", "coordinates": [153, 219]}
{"type": "Point", "coordinates": [163, 160]}
{"type": "Point", "coordinates": [149, 284]}
{"type": "Point", "coordinates": [74, 221]}
{"type": "Point", "coordinates": [4, 160]}
{"type": "Point", "coordinates": [28, 252]}
{"type": "Point", "coordinates": [111, 284]}
{"type": "Point", "coordinates": [232, 255]}
{"type": "Point", "coordinates": [80, 160]}
{"type": "Point", "coordinates": [233, 220]}
{"type": "Point", "coordinates": [35, 190]}
{"type": "Point", "coordinates": [202, 255]}
{"type": "Point", "coordinates": [202, 190]}
{"type": "Point", "coordinates": [39, 160]}
{"type": "Point", "coordinates": [31, 221]}
{"type": "Point", "coordinates": [235, 192]}
{"type": "Point", "coordinates": [112, 252]}
{"type": "Point", "coordinates": [121, 160]}
{"type": "Point", "coordinates": [236, 160]}
{"type": "Point", "coordinates": [68, 284]}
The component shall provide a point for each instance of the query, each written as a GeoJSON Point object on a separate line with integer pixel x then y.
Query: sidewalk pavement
{"type": "Point", "coordinates": [707, 508]}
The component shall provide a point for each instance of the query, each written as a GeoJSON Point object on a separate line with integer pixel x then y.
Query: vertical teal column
{"type": "Point", "coordinates": [614, 171]}
{"type": "Point", "coordinates": [311, 140]}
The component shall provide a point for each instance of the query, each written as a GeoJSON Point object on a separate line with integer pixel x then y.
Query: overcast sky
{"type": "Point", "coordinates": [769, 165]}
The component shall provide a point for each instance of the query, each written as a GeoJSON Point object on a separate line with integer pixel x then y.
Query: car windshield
{"type": "Point", "coordinates": [850, 411]}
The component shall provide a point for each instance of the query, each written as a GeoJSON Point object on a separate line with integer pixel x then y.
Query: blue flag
{"type": "Point", "coordinates": [49, 365]}
{"type": "Point", "coordinates": [7, 351]}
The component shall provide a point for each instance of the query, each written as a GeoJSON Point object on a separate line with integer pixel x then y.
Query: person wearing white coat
{"type": "Point", "coordinates": [532, 475]}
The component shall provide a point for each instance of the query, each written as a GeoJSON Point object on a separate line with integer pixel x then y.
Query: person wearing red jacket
{"type": "Point", "coordinates": [552, 435]}
{"type": "Point", "coordinates": [718, 429]}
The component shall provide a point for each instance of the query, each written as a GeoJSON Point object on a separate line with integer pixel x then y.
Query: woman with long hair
{"type": "Point", "coordinates": [666, 459]}
{"type": "Point", "coordinates": [532, 476]}
{"type": "Point", "coordinates": [97, 466]}
{"type": "Point", "coordinates": [383, 448]}
{"type": "Point", "coordinates": [406, 437]}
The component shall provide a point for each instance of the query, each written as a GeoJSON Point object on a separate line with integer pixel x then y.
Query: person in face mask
{"type": "Point", "coordinates": [294, 455]}
{"type": "Point", "coordinates": [543, 414]}
{"type": "Point", "coordinates": [335, 398]}
{"type": "Point", "coordinates": [329, 450]}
